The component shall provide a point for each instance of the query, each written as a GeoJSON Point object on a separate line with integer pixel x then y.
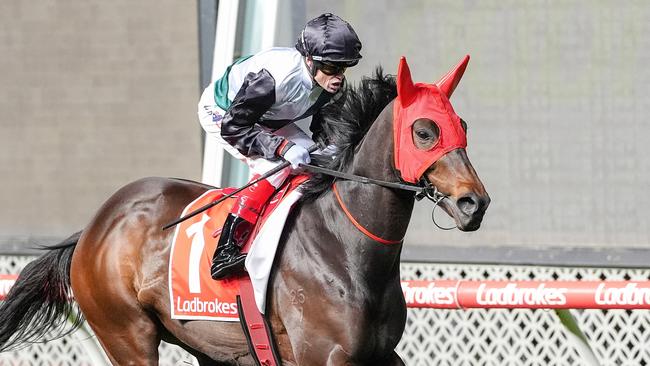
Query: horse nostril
{"type": "Point", "coordinates": [468, 204]}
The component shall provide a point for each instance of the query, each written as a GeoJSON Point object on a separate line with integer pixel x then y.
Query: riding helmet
{"type": "Point", "coordinates": [331, 39]}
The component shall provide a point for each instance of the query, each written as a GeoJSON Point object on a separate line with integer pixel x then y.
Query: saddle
{"type": "Point", "coordinates": [196, 296]}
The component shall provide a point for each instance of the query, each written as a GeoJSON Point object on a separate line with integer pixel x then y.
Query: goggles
{"type": "Point", "coordinates": [329, 68]}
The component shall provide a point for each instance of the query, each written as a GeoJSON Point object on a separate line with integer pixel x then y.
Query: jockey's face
{"type": "Point", "coordinates": [329, 77]}
{"type": "Point", "coordinates": [331, 83]}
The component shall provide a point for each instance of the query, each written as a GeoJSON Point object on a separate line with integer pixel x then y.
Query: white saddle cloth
{"type": "Point", "coordinates": [262, 252]}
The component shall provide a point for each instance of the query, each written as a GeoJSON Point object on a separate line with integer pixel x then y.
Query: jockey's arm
{"type": "Point", "coordinates": [240, 127]}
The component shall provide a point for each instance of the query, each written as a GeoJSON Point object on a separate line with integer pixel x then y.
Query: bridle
{"type": "Point", "coordinates": [431, 192]}
{"type": "Point", "coordinates": [424, 189]}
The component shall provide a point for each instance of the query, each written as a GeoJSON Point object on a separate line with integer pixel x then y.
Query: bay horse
{"type": "Point", "coordinates": [334, 295]}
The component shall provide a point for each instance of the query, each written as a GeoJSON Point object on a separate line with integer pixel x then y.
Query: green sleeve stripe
{"type": "Point", "coordinates": [221, 86]}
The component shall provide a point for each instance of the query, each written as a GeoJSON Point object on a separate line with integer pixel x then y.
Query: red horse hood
{"type": "Point", "coordinates": [430, 101]}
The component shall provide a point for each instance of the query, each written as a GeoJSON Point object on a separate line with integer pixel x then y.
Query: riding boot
{"type": "Point", "coordinates": [241, 221]}
{"type": "Point", "coordinates": [227, 256]}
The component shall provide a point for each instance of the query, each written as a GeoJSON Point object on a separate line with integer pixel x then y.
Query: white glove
{"type": "Point", "coordinates": [297, 155]}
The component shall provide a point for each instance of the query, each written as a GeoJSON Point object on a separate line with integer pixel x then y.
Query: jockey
{"type": "Point", "coordinates": [251, 112]}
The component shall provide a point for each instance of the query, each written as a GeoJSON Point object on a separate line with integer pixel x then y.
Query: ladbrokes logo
{"type": "Point", "coordinates": [631, 294]}
{"type": "Point", "coordinates": [429, 294]}
{"type": "Point", "coordinates": [512, 295]}
{"type": "Point", "coordinates": [196, 305]}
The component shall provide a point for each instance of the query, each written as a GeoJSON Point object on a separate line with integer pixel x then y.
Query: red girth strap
{"type": "Point", "coordinates": [358, 225]}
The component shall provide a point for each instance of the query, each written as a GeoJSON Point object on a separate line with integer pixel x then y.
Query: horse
{"type": "Point", "coordinates": [334, 296]}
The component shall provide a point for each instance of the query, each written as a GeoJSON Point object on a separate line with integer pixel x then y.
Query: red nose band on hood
{"type": "Point", "coordinates": [431, 101]}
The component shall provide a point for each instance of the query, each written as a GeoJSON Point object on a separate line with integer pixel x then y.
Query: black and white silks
{"type": "Point", "coordinates": [266, 92]}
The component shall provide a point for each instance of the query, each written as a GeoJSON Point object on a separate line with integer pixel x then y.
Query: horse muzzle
{"type": "Point", "coordinates": [467, 210]}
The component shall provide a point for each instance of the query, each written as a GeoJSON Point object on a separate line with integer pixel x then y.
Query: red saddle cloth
{"type": "Point", "coordinates": [193, 292]}
{"type": "Point", "coordinates": [195, 295]}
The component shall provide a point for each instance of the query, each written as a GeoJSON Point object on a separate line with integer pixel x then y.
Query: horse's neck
{"type": "Point", "coordinates": [381, 211]}
{"type": "Point", "coordinates": [392, 208]}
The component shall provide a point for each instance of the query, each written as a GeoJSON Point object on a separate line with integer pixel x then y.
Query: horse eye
{"type": "Point", "coordinates": [423, 134]}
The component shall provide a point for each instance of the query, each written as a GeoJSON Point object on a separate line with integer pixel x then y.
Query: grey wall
{"type": "Point", "coordinates": [96, 94]}
{"type": "Point", "coordinates": [93, 95]}
{"type": "Point", "coordinates": [556, 96]}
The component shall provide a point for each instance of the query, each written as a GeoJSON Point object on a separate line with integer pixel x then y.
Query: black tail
{"type": "Point", "coordinates": [40, 303]}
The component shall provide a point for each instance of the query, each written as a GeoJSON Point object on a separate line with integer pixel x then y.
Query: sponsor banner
{"type": "Point", "coordinates": [527, 294]}
{"type": "Point", "coordinates": [516, 295]}
{"type": "Point", "coordinates": [6, 281]}
{"type": "Point", "coordinates": [440, 294]}
{"type": "Point", "coordinates": [447, 294]}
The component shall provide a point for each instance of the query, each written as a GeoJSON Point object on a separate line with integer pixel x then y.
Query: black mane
{"type": "Point", "coordinates": [346, 122]}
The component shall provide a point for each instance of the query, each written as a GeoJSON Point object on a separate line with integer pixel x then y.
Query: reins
{"type": "Point", "coordinates": [424, 190]}
{"type": "Point", "coordinates": [281, 166]}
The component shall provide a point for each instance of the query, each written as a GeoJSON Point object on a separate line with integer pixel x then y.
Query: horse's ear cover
{"type": "Point", "coordinates": [430, 101]}
{"type": "Point", "coordinates": [447, 84]}
{"type": "Point", "coordinates": [405, 88]}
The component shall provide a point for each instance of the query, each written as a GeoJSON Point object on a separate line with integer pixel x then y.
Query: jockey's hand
{"type": "Point", "coordinates": [297, 155]}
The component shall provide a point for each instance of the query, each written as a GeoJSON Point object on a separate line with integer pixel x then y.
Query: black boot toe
{"type": "Point", "coordinates": [227, 266]}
